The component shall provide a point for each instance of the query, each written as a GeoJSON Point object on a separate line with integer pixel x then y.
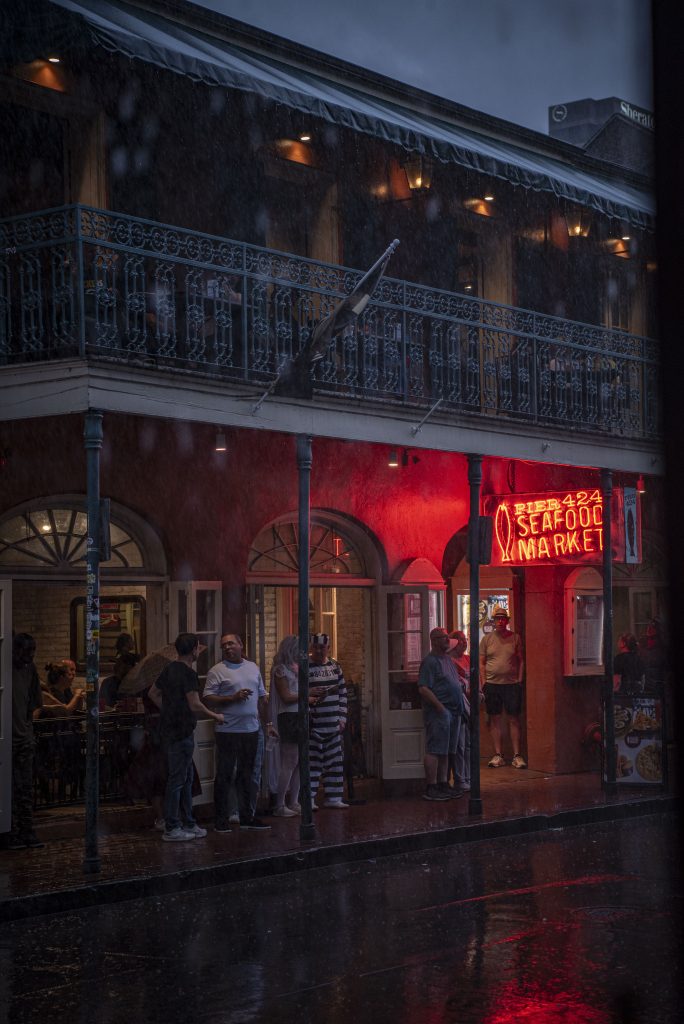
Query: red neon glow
{"type": "Point", "coordinates": [547, 528]}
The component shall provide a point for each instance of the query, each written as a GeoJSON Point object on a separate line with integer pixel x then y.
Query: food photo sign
{"type": "Point", "coordinates": [638, 740]}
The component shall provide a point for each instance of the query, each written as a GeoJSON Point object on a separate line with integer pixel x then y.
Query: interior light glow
{"type": "Point", "coordinates": [54, 60]}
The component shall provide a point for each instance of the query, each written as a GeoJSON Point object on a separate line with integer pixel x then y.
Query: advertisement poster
{"type": "Point", "coordinates": [639, 740]}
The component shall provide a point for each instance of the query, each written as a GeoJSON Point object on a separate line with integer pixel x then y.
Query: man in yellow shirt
{"type": "Point", "coordinates": [501, 673]}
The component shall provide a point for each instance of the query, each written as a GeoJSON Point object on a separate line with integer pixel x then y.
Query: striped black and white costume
{"type": "Point", "coordinates": [325, 736]}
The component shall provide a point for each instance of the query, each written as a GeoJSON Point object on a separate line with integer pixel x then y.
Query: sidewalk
{"type": "Point", "coordinates": [136, 863]}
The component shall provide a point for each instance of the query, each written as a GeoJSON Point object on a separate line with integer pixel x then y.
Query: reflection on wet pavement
{"type": "Point", "coordinates": [578, 926]}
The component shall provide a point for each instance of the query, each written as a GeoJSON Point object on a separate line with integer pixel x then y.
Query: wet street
{"type": "Point", "coordinates": [580, 926]}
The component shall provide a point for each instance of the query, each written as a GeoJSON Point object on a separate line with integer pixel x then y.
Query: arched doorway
{"type": "Point", "coordinates": [42, 553]}
{"type": "Point", "coordinates": [345, 570]}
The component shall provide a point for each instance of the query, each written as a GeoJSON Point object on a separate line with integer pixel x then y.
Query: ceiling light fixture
{"type": "Point", "coordinates": [305, 138]}
{"type": "Point", "coordinates": [489, 198]}
{"type": "Point", "coordinates": [54, 60]}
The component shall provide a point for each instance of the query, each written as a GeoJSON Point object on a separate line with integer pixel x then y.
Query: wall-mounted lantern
{"type": "Point", "coordinates": [418, 169]}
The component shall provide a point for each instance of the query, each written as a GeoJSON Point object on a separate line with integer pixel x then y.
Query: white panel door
{"type": "Point", "coordinates": [5, 705]}
{"type": "Point", "coordinates": [405, 619]}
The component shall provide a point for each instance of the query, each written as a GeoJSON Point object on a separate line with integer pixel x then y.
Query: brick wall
{"type": "Point", "coordinates": [43, 610]}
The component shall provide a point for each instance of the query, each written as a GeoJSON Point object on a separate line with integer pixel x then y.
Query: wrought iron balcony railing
{"type": "Point", "coordinates": [81, 281]}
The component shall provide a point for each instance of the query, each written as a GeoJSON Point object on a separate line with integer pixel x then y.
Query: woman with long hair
{"type": "Point", "coordinates": [58, 685]}
{"type": "Point", "coordinates": [284, 698]}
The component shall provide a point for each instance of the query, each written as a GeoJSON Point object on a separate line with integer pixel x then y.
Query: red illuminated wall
{"type": "Point", "coordinates": [208, 507]}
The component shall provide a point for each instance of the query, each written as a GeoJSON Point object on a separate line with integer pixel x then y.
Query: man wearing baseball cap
{"type": "Point", "coordinates": [501, 673]}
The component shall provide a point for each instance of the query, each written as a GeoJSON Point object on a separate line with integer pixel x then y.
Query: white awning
{"type": "Point", "coordinates": [138, 33]}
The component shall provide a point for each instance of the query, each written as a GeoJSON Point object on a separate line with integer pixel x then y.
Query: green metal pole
{"type": "Point", "coordinates": [93, 445]}
{"type": "Point", "coordinates": [475, 481]}
{"type": "Point", "coordinates": [611, 762]}
{"type": "Point", "coordinates": [307, 831]}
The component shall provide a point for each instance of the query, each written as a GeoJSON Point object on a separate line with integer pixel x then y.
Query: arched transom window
{"type": "Point", "coordinates": [276, 551]}
{"type": "Point", "coordinates": [55, 538]}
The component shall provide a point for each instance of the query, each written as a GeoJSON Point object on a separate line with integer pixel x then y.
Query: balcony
{"type": "Point", "coordinates": [77, 281]}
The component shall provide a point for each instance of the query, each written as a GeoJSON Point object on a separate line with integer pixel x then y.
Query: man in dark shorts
{"type": "Point", "coordinates": [442, 696]}
{"type": "Point", "coordinates": [501, 673]}
{"type": "Point", "coordinates": [176, 692]}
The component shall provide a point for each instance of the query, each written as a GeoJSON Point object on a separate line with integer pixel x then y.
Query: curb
{"type": "Point", "coordinates": [105, 893]}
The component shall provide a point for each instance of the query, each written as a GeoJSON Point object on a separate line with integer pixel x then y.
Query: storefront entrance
{"type": "Point", "coordinates": [341, 603]}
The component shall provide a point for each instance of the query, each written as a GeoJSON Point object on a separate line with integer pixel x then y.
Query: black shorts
{"type": "Point", "coordinates": [503, 696]}
{"type": "Point", "coordinates": [288, 727]}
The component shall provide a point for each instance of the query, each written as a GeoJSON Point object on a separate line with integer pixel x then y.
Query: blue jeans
{"type": "Point", "coordinates": [179, 783]}
{"type": "Point", "coordinates": [234, 751]}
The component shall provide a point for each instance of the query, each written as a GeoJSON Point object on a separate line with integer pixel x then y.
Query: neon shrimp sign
{"type": "Point", "coordinates": [548, 528]}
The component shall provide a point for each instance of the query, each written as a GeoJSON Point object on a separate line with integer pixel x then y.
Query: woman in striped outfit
{"type": "Point", "coordinates": [328, 718]}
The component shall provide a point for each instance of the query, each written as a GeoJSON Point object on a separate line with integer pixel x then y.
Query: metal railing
{"type": "Point", "coordinates": [88, 282]}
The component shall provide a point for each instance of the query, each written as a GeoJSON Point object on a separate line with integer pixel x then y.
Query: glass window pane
{"type": "Point", "coordinates": [62, 518]}
{"type": "Point", "coordinates": [41, 522]}
{"type": "Point", "coordinates": [205, 610]}
{"type": "Point", "coordinates": [14, 529]}
{"type": "Point", "coordinates": [117, 535]}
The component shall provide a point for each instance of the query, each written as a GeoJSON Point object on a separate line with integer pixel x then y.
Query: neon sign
{"type": "Point", "coordinates": [552, 528]}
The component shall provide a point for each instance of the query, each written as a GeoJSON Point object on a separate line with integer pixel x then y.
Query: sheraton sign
{"type": "Point", "coordinates": [553, 528]}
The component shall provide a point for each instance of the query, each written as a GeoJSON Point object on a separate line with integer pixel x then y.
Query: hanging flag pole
{"type": "Point", "coordinates": [294, 377]}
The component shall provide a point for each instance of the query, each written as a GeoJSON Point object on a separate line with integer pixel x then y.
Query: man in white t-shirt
{"type": "Point", "coordinates": [235, 688]}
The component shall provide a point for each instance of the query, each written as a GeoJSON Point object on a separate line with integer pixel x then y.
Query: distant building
{"type": "Point", "coordinates": [610, 129]}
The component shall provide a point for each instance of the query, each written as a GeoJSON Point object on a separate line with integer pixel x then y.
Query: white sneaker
{"type": "Point", "coordinates": [159, 824]}
{"type": "Point", "coordinates": [197, 830]}
{"type": "Point", "coordinates": [335, 802]}
{"type": "Point", "coordinates": [177, 835]}
{"type": "Point", "coordinates": [496, 762]}
{"type": "Point", "coordinates": [519, 762]}
{"type": "Point", "coordinates": [296, 808]}
{"type": "Point", "coordinates": [234, 819]}
{"type": "Point", "coordinates": [283, 812]}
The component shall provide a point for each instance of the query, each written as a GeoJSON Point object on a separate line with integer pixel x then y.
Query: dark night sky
{"type": "Point", "coordinates": [509, 58]}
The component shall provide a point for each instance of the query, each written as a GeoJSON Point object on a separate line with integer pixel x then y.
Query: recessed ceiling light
{"type": "Point", "coordinates": [54, 60]}
{"type": "Point", "coordinates": [489, 198]}
{"type": "Point", "coordinates": [305, 138]}
{"type": "Point", "coordinates": [625, 238]}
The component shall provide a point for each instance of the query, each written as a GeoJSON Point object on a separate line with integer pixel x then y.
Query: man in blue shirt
{"type": "Point", "coordinates": [442, 696]}
{"type": "Point", "coordinates": [234, 687]}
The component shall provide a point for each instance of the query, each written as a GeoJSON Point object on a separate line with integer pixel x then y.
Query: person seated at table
{"type": "Point", "coordinates": [109, 687]}
{"type": "Point", "coordinates": [58, 687]}
{"type": "Point", "coordinates": [70, 667]}
{"type": "Point", "coordinates": [125, 644]}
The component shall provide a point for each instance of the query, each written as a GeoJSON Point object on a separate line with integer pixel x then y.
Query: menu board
{"type": "Point", "coordinates": [638, 740]}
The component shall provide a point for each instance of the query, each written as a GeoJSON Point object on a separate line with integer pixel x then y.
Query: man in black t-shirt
{"type": "Point", "coordinates": [176, 692]}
